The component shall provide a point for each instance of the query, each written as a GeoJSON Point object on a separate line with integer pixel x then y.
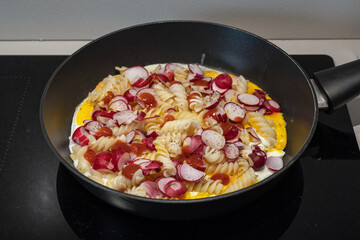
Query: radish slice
{"type": "Point", "coordinates": [195, 69]}
{"type": "Point", "coordinates": [171, 66]}
{"type": "Point", "coordinates": [130, 136]}
{"type": "Point", "coordinates": [191, 143]}
{"type": "Point", "coordinates": [119, 97]}
{"type": "Point", "coordinates": [232, 134]}
{"type": "Point", "coordinates": [207, 79]}
{"type": "Point", "coordinates": [162, 78]}
{"type": "Point", "coordinates": [212, 100]}
{"type": "Point", "coordinates": [93, 126]}
{"type": "Point", "coordinates": [101, 116]}
{"type": "Point", "coordinates": [136, 73]}
{"type": "Point", "coordinates": [192, 77]}
{"type": "Point", "coordinates": [150, 188]}
{"type": "Point", "coordinates": [175, 189]}
{"type": "Point", "coordinates": [126, 117]}
{"type": "Point", "coordinates": [140, 117]}
{"type": "Point", "coordinates": [169, 75]}
{"type": "Point", "coordinates": [190, 174]}
{"type": "Point", "coordinates": [272, 105]}
{"type": "Point", "coordinates": [234, 112]}
{"type": "Point", "coordinates": [142, 132]}
{"type": "Point", "coordinates": [253, 133]}
{"type": "Point", "coordinates": [215, 88]}
{"type": "Point", "coordinates": [213, 139]}
{"type": "Point", "coordinates": [102, 162]}
{"type": "Point", "coordinates": [171, 111]}
{"type": "Point", "coordinates": [130, 95]}
{"type": "Point", "coordinates": [111, 123]}
{"type": "Point", "coordinates": [145, 90]}
{"type": "Point", "coordinates": [152, 134]}
{"type": "Point", "coordinates": [119, 159]}
{"type": "Point", "coordinates": [142, 162]}
{"type": "Point", "coordinates": [262, 111]}
{"type": "Point", "coordinates": [258, 160]}
{"type": "Point", "coordinates": [221, 114]}
{"type": "Point", "coordinates": [223, 81]}
{"type": "Point", "coordinates": [162, 182]}
{"type": "Point", "coordinates": [229, 94]}
{"type": "Point", "coordinates": [149, 143]}
{"type": "Point", "coordinates": [248, 99]}
{"type": "Point", "coordinates": [231, 151]}
{"type": "Point", "coordinates": [152, 166]}
{"type": "Point", "coordinates": [252, 109]}
{"type": "Point", "coordinates": [155, 116]}
{"type": "Point", "coordinates": [261, 96]}
{"type": "Point", "coordinates": [142, 82]}
{"type": "Point", "coordinates": [119, 105]}
{"type": "Point", "coordinates": [80, 136]}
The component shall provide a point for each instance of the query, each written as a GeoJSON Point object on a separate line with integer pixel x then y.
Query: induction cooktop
{"type": "Point", "coordinates": [317, 199]}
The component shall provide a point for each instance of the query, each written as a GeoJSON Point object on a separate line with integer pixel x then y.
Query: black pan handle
{"type": "Point", "coordinates": [339, 84]}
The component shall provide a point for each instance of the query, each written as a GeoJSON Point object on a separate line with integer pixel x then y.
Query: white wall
{"type": "Point", "coordinates": [278, 19]}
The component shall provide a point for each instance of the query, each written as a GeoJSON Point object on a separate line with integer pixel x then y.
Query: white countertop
{"type": "Point", "coordinates": [342, 51]}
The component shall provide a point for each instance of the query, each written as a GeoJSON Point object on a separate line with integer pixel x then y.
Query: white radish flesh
{"type": "Point", "coordinates": [234, 112]}
{"type": "Point", "coordinates": [213, 139]}
{"type": "Point", "coordinates": [248, 99]}
{"type": "Point", "coordinates": [190, 174]}
{"type": "Point", "coordinates": [212, 100]}
{"type": "Point", "coordinates": [119, 105]}
{"type": "Point", "coordinates": [133, 74]}
{"type": "Point", "coordinates": [231, 151]}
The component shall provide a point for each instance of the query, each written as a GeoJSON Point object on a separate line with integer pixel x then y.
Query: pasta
{"type": "Point", "coordinates": [172, 134]}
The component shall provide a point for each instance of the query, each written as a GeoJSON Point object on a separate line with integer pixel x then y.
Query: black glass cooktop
{"type": "Point", "coordinates": [317, 199]}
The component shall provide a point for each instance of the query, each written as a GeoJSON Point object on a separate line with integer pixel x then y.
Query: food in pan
{"type": "Point", "coordinates": [177, 131]}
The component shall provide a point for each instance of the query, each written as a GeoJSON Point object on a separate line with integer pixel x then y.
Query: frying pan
{"type": "Point", "coordinates": [216, 46]}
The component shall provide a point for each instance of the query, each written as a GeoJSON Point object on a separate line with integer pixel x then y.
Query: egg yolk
{"type": "Point", "coordinates": [84, 112]}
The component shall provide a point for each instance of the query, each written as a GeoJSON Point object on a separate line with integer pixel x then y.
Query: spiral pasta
{"type": "Point", "coordinates": [80, 163]}
{"type": "Point", "coordinates": [180, 97]}
{"type": "Point", "coordinates": [119, 85]}
{"type": "Point", "coordinates": [213, 156]}
{"type": "Point", "coordinates": [209, 186]}
{"type": "Point", "coordinates": [126, 128]}
{"type": "Point", "coordinates": [138, 191]}
{"type": "Point", "coordinates": [121, 182]}
{"type": "Point", "coordinates": [164, 94]}
{"type": "Point", "coordinates": [104, 143]}
{"type": "Point", "coordinates": [230, 168]}
{"type": "Point", "coordinates": [196, 102]}
{"type": "Point", "coordinates": [263, 128]}
{"type": "Point", "coordinates": [163, 156]}
{"type": "Point", "coordinates": [246, 179]}
{"type": "Point", "coordinates": [240, 84]}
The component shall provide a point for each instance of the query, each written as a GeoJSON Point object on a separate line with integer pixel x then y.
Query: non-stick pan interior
{"type": "Point", "coordinates": [213, 45]}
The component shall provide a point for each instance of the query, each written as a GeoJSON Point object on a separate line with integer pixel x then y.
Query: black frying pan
{"type": "Point", "coordinates": [216, 46]}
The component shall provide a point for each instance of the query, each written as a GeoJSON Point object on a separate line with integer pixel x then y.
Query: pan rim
{"type": "Point", "coordinates": [122, 195]}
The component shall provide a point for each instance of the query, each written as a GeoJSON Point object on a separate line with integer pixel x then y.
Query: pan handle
{"type": "Point", "coordinates": [338, 84]}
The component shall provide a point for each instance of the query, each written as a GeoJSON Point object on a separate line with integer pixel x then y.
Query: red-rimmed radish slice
{"type": "Point", "coordinates": [141, 161]}
{"type": "Point", "coordinates": [119, 97]}
{"type": "Point", "coordinates": [152, 134]}
{"type": "Point", "coordinates": [87, 121]}
{"type": "Point", "coordinates": [175, 189]}
{"type": "Point", "coordinates": [215, 88]}
{"type": "Point", "coordinates": [274, 163]}
{"type": "Point", "coordinates": [251, 109]}
{"type": "Point", "coordinates": [133, 74]}
{"type": "Point", "coordinates": [162, 78]}
{"type": "Point", "coordinates": [130, 136]}
{"type": "Point", "coordinates": [171, 66]}
{"type": "Point", "coordinates": [142, 132]}
{"type": "Point", "coordinates": [223, 81]}
{"type": "Point", "coordinates": [80, 136]}
{"type": "Point", "coordinates": [149, 142]}
{"type": "Point", "coordinates": [132, 156]}
{"type": "Point", "coordinates": [140, 117]}
{"type": "Point", "coordinates": [195, 69]}
{"type": "Point", "coordinates": [162, 182]}
{"type": "Point", "coordinates": [119, 105]}
{"type": "Point", "coordinates": [101, 116]}
{"type": "Point", "coordinates": [119, 159]}
{"type": "Point", "coordinates": [272, 105]}
{"type": "Point", "coordinates": [111, 123]}
{"type": "Point", "coordinates": [212, 100]}
{"type": "Point", "coordinates": [248, 99]}
{"type": "Point", "coordinates": [258, 160]}
{"type": "Point", "coordinates": [171, 111]}
{"type": "Point", "coordinates": [262, 97]}
{"type": "Point", "coordinates": [213, 139]}
{"type": "Point", "coordinates": [130, 95]}
{"type": "Point", "coordinates": [190, 174]}
{"type": "Point", "coordinates": [262, 111]}
{"type": "Point", "coordinates": [102, 162]}
{"type": "Point", "coordinates": [126, 117]}
{"type": "Point", "coordinates": [229, 94]}
{"type": "Point", "coordinates": [169, 75]}
{"type": "Point", "coordinates": [141, 93]}
{"type": "Point", "coordinates": [253, 133]}
{"type": "Point", "coordinates": [142, 82]}
{"type": "Point", "coordinates": [93, 126]}
{"type": "Point", "coordinates": [232, 134]}
{"type": "Point", "coordinates": [234, 112]}
{"type": "Point", "coordinates": [150, 188]}
{"type": "Point", "coordinates": [231, 151]}
{"type": "Point", "coordinates": [152, 166]}
{"type": "Point", "coordinates": [191, 143]}
{"type": "Point", "coordinates": [221, 114]}
{"type": "Point", "coordinates": [155, 116]}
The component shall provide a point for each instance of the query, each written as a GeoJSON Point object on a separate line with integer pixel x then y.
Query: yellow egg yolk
{"type": "Point", "coordinates": [84, 112]}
